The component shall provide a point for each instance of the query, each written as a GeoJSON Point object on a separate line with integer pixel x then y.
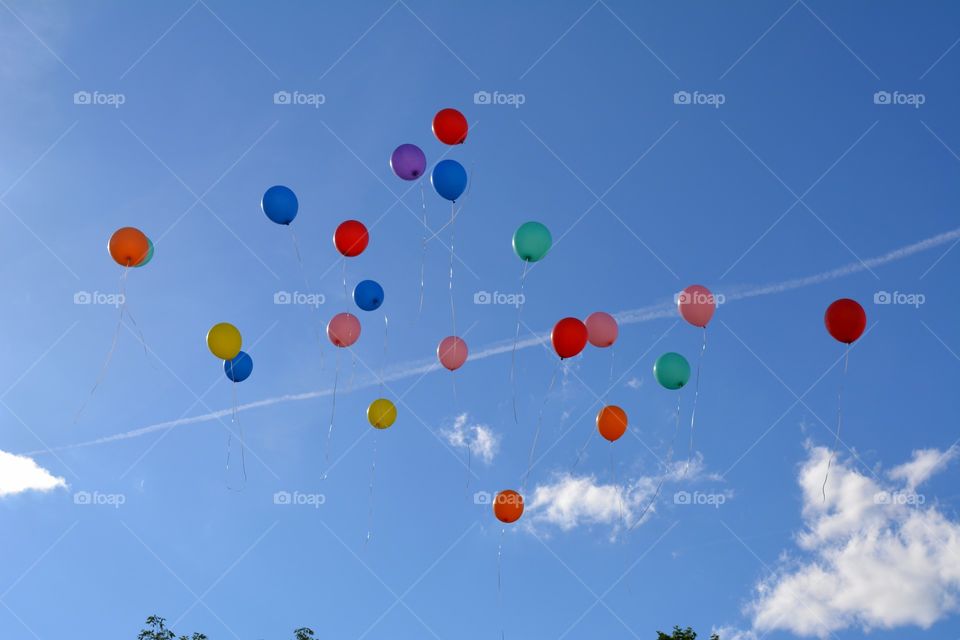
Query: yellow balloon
{"type": "Point", "coordinates": [381, 413]}
{"type": "Point", "coordinates": [224, 341]}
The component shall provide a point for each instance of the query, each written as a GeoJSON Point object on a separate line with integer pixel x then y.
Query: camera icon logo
{"type": "Point", "coordinates": [482, 297]}
{"type": "Point", "coordinates": [881, 97]}
{"type": "Point", "coordinates": [282, 297]}
{"type": "Point", "coordinates": [882, 297]}
{"type": "Point", "coordinates": [82, 97]}
{"type": "Point", "coordinates": [482, 97]}
{"type": "Point", "coordinates": [82, 497]}
{"type": "Point", "coordinates": [281, 97]}
{"type": "Point", "coordinates": [681, 497]}
{"type": "Point", "coordinates": [482, 497]}
{"type": "Point", "coordinates": [82, 297]}
{"type": "Point", "coordinates": [681, 97]}
{"type": "Point", "coordinates": [282, 497]}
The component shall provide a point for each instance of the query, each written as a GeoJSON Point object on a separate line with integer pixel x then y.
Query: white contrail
{"type": "Point", "coordinates": [410, 369]}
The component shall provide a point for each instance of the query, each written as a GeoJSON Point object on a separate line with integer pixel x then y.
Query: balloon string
{"type": "Point", "coordinates": [503, 531]}
{"type": "Point", "coordinates": [582, 449]}
{"type": "Point", "coordinates": [383, 363]}
{"type": "Point", "coordinates": [656, 494]}
{"type": "Point", "coordinates": [373, 474]}
{"type": "Point", "coordinates": [846, 361]}
{"type": "Point", "coordinates": [536, 435]}
{"type": "Point", "coordinates": [346, 296]}
{"type": "Point", "coordinates": [353, 370]}
{"type": "Point", "coordinates": [696, 394]}
{"type": "Point", "coordinates": [423, 251]}
{"type": "Point", "coordinates": [516, 338]}
{"type": "Point", "coordinates": [469, 466]}
{"type": "Point", "coordinates": [453, 309]}
{"type": "Point", "coordinates": [616, 485]}
{"type": "Point", "coordinates": [113, 344]}
{"type": "Point", "coordinates": [235, 420]}
{"type": "Point", "coordinates": [613, 357]}
{"type": "Point", "coordinates": [309, 288]}
{"type": "Point", "coordinates": [333, 406]}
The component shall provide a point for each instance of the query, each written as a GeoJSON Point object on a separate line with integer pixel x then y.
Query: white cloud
{"type": "Point", "coordinates": [478, 439]}
{"type": "Point", "coordinates": [634, 383]}
{"type": "Point", "coordinates": [733, 633]}
{"type": "Point", "coordinates": [20, 473]}
{"type": "Point", "coordinates": [876, 556]}
{"type": "Point", "coordinates": [570, 501]}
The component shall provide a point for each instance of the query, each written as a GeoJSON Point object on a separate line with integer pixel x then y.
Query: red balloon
{"type": "Point", "coordinates": [450, 126]}
{"type": "Point", "coordinates": [845, 320]}
{"type": "Point", "coordinates": [351, 238]}
{"type": "Point", "coordinates": [569, 337]}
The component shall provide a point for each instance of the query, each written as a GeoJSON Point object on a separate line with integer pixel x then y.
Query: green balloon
{"type": "Point", "coordinates": [532, 241]}
{"type": "Point", "coordinates": [671, 370]}
{"type": "Point", "coordinates": [147, 258]}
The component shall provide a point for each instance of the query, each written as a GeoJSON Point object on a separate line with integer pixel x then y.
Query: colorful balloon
{"type": "Point", "coordinates": [224, 340]}
{"type": "Point", "coordinates": [508, 506]}
{"type": "Point", "coordinates": [569, 337]}
{"type": "Point", "coordinates": [343, 329]}
{"type": "Point", "coordinates": [449, 179]}
{"type": "Point", "coordinates": [368, 294]}
{"type": "Point", "coordinates": [239, 368]}
{"type": "Point", "coordinates": [845, 320]}
{"type": "Point", "coordinates": [671, 370]}
{"type": "Point", "coordinates": [408, 162]}
{"type": "Point", "coordinates": [532, 241]}
{"type": "Point", "coordinates": [147, 258]}
{"type": "Point", "coordinates": [697, 305]}
{"type": "Point", "coordinates": [381, 413]}
{"type": "Point", "coordinates": [612, 422]}
{"type": "Point", "coordinates": [602, 329]}
{"type": "Point", "coordinates": [450, 126]}
{"type": "Point", "coordinates": [351, 238]}
{"type": "Point", "coordinates": [452, 352]}
{"type": "Point", "coordinates": [128, 246]}
{"type": "Point", "coordinates": [280, 204]}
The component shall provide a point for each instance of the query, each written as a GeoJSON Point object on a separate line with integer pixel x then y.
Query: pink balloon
{"type": "Point", "coordinates": [602, 330]}
{"type": "Point", "coordinates": [696, 304]}
{"type": "Point", "coordinates": [343, 329]}
{"type": "Point", "coordinates": [452, 352]}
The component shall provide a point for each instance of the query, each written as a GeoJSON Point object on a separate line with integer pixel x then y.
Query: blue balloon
{"type": "Point", "coordinates": [368, 295]}
{"type": "Point", "coordinates": [240, 368]}
{"type": "Point", "coordinates": [449, 179]}
{"type": "Point", "coordinates": [280, 204]}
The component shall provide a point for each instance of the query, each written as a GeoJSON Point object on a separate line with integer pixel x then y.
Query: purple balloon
{"type": "Point", "coordinates": [408, 162]}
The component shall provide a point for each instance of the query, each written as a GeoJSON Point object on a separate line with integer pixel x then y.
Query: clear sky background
{"type": "Point", "coordinates": [800, 171]}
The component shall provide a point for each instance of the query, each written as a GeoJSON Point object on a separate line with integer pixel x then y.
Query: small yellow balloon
{"type": "Point", "coordinates": [381, 413]}
{"type": "Point", "coordinates": [224, 341]}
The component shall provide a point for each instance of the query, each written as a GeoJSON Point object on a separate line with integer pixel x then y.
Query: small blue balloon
{"type": "Point", "coordinates": [280, 204]}
{"type": "Point", "coordinates": [240, 368]}
{"type": "Point", "coordinates": [368, 295]}
{"type": "Point", "coordinates": [449, 179]}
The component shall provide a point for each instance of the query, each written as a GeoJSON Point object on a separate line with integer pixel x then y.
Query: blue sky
{"type": "Point", "coordinates": [817, 158]}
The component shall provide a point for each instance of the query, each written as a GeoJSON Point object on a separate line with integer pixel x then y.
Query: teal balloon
{"type": "Point", "coordinates": [532, 241]}
{"type": "Point", "coordinates": [147, 258]}
{"type": "Point", "coordinates": [671, 370]}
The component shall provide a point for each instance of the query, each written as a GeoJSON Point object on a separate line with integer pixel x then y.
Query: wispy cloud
{"type": "Point", "coordinates": [20, 473]}
{"type": "Point", "coordinates": [479, 439]}
{"type": "Point", "coordinates": [665, 309]}
{"type": "Point", "coordinates": [873, 555]}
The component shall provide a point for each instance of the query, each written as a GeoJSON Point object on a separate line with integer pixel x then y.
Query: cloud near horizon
{"type": "Point", "coordinates": [20, 473]}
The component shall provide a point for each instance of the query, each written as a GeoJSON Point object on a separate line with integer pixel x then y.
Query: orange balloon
{"type": "Point", "coordinates": [128, 246]}
{"type": "Point", "coordinates": [508, 506]}
{"type": "Point", "coordinates": [612, 422]}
